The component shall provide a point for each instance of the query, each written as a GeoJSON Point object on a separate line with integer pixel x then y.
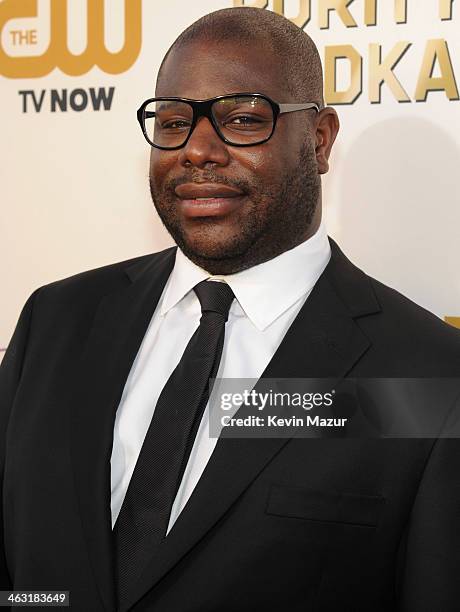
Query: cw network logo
{"type": "Point", "coordinates": [25, 30]}
{"type": "Point", "coordinates": [34, 40]}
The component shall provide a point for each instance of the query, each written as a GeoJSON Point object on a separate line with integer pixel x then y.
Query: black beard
{"type": "Point", "coordinates": [290, 206]}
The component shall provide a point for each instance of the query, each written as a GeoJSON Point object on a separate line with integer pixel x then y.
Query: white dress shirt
{"type": "Point", "coordinates": [268, 298]}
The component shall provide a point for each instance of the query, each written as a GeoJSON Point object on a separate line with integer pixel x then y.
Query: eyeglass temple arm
{"type": "Point", "coordinates": [289, 108]}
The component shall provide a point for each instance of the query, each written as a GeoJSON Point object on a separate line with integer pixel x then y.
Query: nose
{"type": "Point", "coordinates": [204, 146]}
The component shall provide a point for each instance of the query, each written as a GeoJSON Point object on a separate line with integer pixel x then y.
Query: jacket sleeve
{"type": "Point", "coordinates": [10, 374]}
{"type": "Point", "coordinates": [432, 561]}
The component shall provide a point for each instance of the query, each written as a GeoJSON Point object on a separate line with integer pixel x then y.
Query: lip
{"type": "Point", "coordinates": [191, 191]}
{"type": "Point", "coordinates": [220, 199]}
{"type": "Point", "coordinates": [213, 207]}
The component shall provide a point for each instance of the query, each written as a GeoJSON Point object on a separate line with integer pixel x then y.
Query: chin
{"type": "Point", "coordinates": [202, 245]}
{"type": "Point", "coordinates": [213, 252]}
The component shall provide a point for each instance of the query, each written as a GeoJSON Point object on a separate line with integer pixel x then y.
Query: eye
{"type": "Point", "coordinates": [243, 120]}
{"type": "Point", "coordinates": [175, 124]}
{"type": "Point", "coordinates": [245, 123]}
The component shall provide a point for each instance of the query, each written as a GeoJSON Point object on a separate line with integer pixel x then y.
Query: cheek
{"type": "Point", "coordinates": [261, 163]}
{"type": "Point", "coordinates": [160, 166]}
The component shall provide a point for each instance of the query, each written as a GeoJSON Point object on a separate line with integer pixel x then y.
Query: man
{"type": "Point", "coordinates": [112, 488]}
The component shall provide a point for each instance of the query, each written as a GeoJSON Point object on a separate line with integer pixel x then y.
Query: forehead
{"type": "Point", "coordinates": [206, 69]}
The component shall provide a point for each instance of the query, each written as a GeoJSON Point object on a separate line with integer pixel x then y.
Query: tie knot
{"type": "Point", "coordinates": [214, 296]}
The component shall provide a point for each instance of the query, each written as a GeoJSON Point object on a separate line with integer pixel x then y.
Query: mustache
{"type": "Point", "coordinates": [207, 177]}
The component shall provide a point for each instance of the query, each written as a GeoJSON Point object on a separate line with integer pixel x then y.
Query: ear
{"type": "Point", "coordinates": [327, 126]}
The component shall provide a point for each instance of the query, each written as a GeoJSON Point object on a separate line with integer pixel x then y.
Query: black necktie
{"type": "Point", "coordinates": [144, 515]}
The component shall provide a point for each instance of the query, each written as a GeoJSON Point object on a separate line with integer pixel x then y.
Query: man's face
{"type": "Point", "coordinates": [274, 186]}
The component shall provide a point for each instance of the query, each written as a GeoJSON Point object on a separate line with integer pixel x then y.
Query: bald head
{"type": "Point", "coordinates": [248, 27]}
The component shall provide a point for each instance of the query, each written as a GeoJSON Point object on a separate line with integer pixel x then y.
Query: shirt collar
{"type": "Point", "coordinates": [263, 292]}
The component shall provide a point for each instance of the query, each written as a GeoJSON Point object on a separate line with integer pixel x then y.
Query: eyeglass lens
{"type": "Point", "coordinates": [240, 119]}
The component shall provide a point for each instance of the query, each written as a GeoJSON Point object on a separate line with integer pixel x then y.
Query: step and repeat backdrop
{"type": "Point", "coordinates": [74, 164]}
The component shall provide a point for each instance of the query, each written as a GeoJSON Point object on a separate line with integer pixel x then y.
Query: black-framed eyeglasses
{"type": "Point", "coordinates": [240, 119]}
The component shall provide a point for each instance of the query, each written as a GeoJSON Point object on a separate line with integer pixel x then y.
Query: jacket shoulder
{"type": "Point", "coordinates": [414, 317]}
{"type": "Point", "coordinates": [411, 336]}
{"type": "Point", "coordinates": [405, 339]}
{"type": "Point", "coordinates": [98, 281]}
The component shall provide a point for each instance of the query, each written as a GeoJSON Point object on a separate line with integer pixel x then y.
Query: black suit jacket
{"type": "Point", "coordinates": [273, 524]}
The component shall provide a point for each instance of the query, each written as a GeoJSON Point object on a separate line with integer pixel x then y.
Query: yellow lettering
{"type": "Point", "coordinates": [436, 50]}
{"type": "Point", "coordinates": [370, 12]}
{"type": "Point", "coordinates": [340, 6]}
{"type": "Point", "coordinates": [22, 67]}
{"type": "Point", "coordinates": [23, 37]}
{"type": "Point", "coordinates": [445, 9]}
{"type": "Point", "coordinates": [332, 54]}
{"type": "Point", "coordinates": [58, 55]}
{"type": "Point", "coordinates": [455, 321]}
{"type": "Point", "coordinates": [382, 71]}
{"type": "Point", "coordinates": [302, 18]}
{"type": "Point", "coordinates": [401, 11]}
{"type": "Point", "coordinates": [278, 7]}
{"type": "Point", "coordinates": [257, 3]}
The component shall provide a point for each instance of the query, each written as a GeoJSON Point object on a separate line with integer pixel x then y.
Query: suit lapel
{"type": "Point", "coordinates": [120, 323]}
{"type": "Point", "coordinates": [323, 341]}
